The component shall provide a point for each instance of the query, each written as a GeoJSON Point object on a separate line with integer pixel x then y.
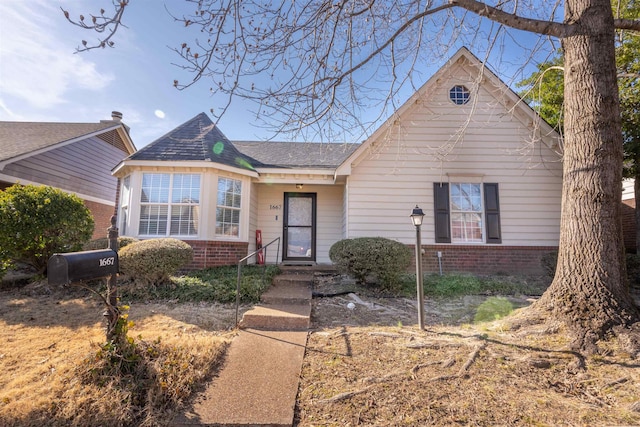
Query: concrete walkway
{"type": "Point", "coordinates": [258, 383]}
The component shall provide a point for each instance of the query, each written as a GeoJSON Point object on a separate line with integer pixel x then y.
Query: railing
{"type": "Point", "coordinates": [244, 260]}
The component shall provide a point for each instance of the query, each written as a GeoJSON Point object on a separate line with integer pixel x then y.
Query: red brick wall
{"type": "Point", "coordinates": [629, 224]}
{"type": "Point", "coordinates": [213, 254]}
{"type": "Point", "coordinates": [101, 216]}
{"type": "Point", "coordinates": [485, 259]}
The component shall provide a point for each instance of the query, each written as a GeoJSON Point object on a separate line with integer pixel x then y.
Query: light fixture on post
{"type": "Point", "coordinates": [416, 217]}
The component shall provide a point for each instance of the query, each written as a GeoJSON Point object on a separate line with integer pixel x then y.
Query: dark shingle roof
{"type": "Point", "coordinates": [17, 138]}
{"type": "Point", "coordinates": [296, 154]}
{"type": "Point", "coordinates": [200, 140]}
{"type": "Point", "coordinates": [196, 140]}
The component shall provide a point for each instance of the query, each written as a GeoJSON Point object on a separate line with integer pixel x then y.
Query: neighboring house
{"type": "Point", "coordinates": [479, 162]}
{"type": "Point", "coordinates": [74, 157]}
{"type": "Point", "coordinates": [629, 215]}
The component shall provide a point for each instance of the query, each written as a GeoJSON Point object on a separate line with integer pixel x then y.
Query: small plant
{"type": "Point", "coordinates": [152, 262]}
{"type": "Point", "coordinates": [374, 260]}
{"type": "Point", "coordinates": [453, 285]}
{"type": "Point", "coordinates": [38, 221]}
{"type": "Point", "coordinates": [213, 284]}
{"type": "Point", "coordinates": [493, 308]}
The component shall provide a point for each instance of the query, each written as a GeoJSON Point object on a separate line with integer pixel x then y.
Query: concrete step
{"type": "Point", "coordinates": [278, 317]}
{"type": "Point", "coordinates": [287, 293]}
{"type": "Point", "coordinates": [302, 278]}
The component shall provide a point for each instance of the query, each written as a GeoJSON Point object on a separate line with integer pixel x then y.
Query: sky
{"type": "Point", "coordinates": [43, 79]}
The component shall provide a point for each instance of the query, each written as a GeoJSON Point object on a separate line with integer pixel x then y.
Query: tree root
{"type": "Point", "coordinates": [344, 396]}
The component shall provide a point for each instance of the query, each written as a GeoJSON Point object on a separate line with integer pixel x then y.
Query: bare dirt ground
{"type": "Point", "coordinates": [372, 366]}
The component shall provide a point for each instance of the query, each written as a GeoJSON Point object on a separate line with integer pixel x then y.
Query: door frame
{"type": "Point", "coordinates": [285, 226]}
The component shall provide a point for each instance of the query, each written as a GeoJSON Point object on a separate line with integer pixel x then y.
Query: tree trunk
{"type": "Point", "coordinates": [589, 291]}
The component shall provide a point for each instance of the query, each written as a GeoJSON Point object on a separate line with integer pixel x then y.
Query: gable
{"type": "Point", "coordinates": [21, 139]}
{"type": "Point", "coordinates": [493, 109]}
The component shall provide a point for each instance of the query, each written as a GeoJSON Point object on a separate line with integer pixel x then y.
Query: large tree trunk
{"type": "Point", "coordinates": [589, 291]}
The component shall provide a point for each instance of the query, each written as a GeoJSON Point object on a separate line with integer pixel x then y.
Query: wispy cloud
{"type": "Point", "coordinates": [37, 64]}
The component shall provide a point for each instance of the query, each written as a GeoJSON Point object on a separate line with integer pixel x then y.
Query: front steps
{"type": "Point", "coordinates": [286, 305]}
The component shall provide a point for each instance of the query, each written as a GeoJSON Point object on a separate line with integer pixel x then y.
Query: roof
{"type": "Point", "coordinates": [19, 138]}
{"type": "Point", "coordinates": [296, 154]}
{"type": "Point", "coordinates": [199, 139]}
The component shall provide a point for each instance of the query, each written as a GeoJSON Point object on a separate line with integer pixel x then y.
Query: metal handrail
{"type": "Point", "coordinates": [243, 260]}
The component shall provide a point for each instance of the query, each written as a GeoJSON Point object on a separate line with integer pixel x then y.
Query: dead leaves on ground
{"type": "Point", "coordinates": [404, 376]}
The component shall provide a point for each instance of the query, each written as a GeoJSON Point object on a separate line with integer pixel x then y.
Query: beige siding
{"type": "Point", "coordinates": [329, 223]}
{"type": "Point", "coordinates": [83, 167]}
{"type": "Point", "coordinates": [435, 141]}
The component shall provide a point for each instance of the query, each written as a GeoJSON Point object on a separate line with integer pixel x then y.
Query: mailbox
{"type": "Point", "coordinates": [63, 269]}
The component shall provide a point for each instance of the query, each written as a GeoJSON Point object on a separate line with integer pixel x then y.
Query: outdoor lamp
{"type": "Point", "coordinates": [416, 217]}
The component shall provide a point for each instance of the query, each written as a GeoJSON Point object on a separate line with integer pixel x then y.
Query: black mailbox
{"type": "Point", "coordinates": [63, 269]}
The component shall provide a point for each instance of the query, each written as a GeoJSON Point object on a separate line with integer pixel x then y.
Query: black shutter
{"type": "Point", "coordinates": [441, 212]}
{"type": "Point", "coordinates": [492, 213]}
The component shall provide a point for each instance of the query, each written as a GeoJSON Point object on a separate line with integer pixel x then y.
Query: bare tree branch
{"type": "Point", "coordinates": [538, 26]}
{"type": "Point", "coordinates": [100, 24]}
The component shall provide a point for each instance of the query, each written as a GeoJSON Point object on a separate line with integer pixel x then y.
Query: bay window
{"type": "Point", "coordinates": [169, 204]}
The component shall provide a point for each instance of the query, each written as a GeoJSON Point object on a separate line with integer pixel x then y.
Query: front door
{"type": "Point", "coordinates": [299, 227]}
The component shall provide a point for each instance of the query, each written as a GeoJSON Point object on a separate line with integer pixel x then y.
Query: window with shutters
{"type": "Point", "coordinates": [466, 213]}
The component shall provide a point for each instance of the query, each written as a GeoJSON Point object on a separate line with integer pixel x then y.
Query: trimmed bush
{"type": "Point", "coordinates": [152, 262]}
{"type": "Point", "coordinates": [38, 221]}
{"type": "Point", "coordinates": [103, 243]}
{"type": "Point", "coordinates": [373, 260]}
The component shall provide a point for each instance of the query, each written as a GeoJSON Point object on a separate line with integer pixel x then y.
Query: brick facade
{"type": "Point", "coordinates": [485, 259]}
{"type": "Point", "coordinates": [101, 217]}
{"type": "Point", "coordinates": [214, 254]}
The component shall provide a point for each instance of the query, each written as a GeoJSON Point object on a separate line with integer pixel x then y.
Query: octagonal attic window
{"type": "Point", "coordinates": [459, 95]}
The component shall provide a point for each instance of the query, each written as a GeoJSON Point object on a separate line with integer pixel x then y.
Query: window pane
{"type": "Point", "coordinates": [153, 220]}
{"type": "Point", "coordinates": [228, 210]}
{"type": "Point", "coordinates": [184, 220]}
{"type": "Point", "coordinates": [155, 188]}
{"type": "Point", "coordinates": [466, 227]}
{"type": "Point", "coordinates": [186, 188]}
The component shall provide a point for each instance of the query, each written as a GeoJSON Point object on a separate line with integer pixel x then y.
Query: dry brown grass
{"type": "Point", "coordinates": [479, 375]}
{"type": "Point", "coordinates": [48, 336]}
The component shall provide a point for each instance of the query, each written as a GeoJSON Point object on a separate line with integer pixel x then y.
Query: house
{"type": "Point", "coordinates": [629, 215]}
{"type": "Point", "coordinates": [74, 157]}
{"type": "Point", "coordinates": [481, 164]}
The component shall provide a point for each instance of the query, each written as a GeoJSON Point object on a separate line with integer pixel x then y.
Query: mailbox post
{"type": "Point", "coordinates": [113, 313]}
{"type": "Point", "coordinates": [64, 269]}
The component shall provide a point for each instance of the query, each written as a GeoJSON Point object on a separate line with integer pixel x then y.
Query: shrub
{"type": "Point", "coordinates": [373, 260]}
{"type": "Point", "coordinates": [151, 262]}
{"type": "Point", "coordinates": [103, 243]}
{"type": "Point", "coordinates": [38, 221]}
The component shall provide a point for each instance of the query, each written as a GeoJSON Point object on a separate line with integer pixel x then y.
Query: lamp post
{"type": "Point", "coordinates": [416, 217]}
